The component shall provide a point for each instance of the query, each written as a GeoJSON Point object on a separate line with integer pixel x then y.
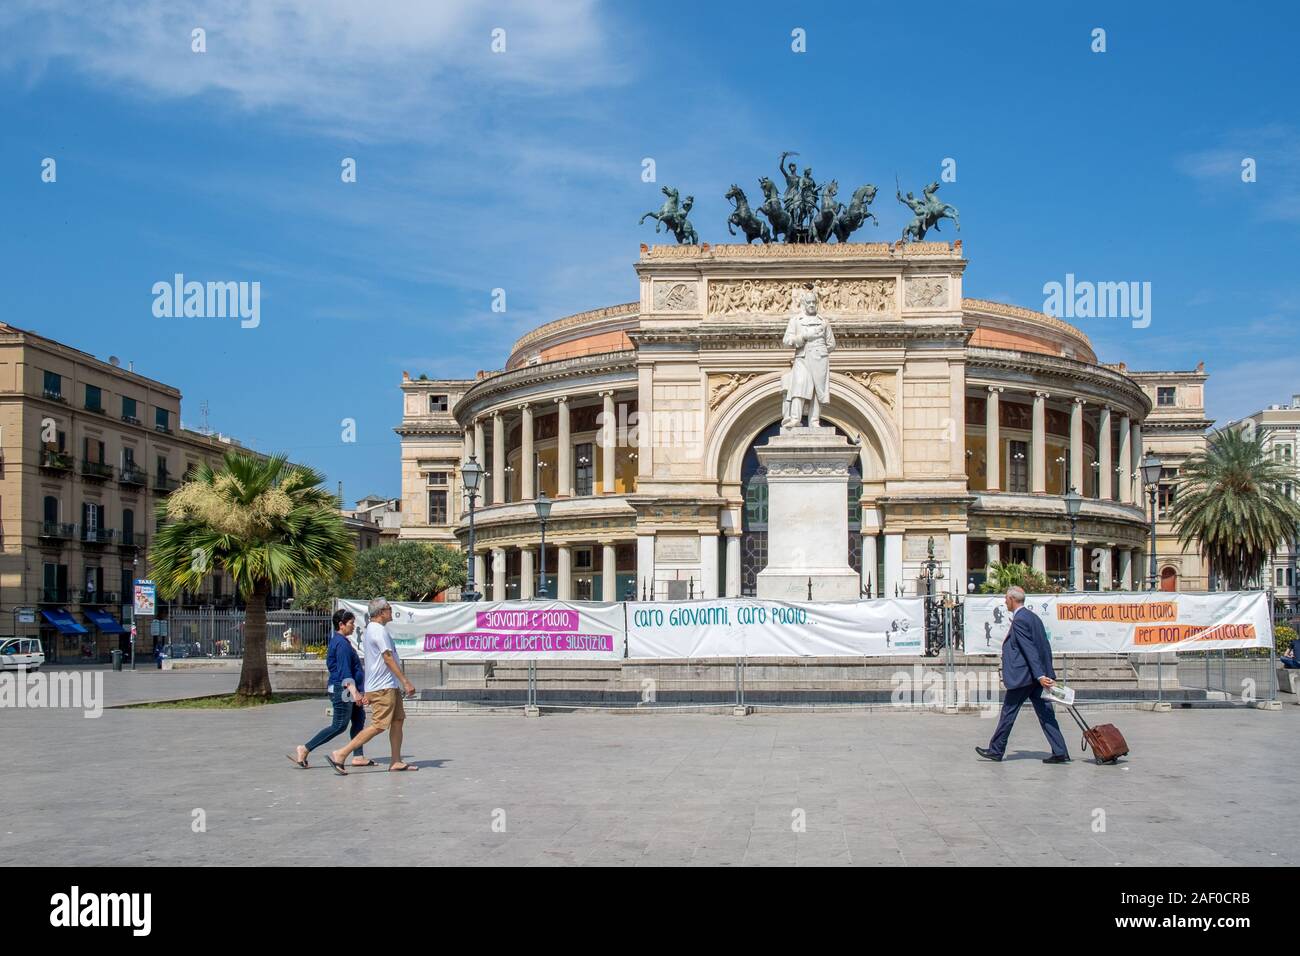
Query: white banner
{"type": "Point", "coordinates": [736, 627]}
{"type": "Point", "coordinates": [1121, 622]}
{"type": "Point", "coordinates": [533, 630]}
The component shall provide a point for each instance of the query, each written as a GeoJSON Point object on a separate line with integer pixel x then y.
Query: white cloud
{"type": "Point", "coordinates": [1274, 196]}
{"type": "Point", "coordinates": [392, 69]}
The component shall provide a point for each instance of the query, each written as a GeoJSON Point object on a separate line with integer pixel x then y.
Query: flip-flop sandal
{"type": "Point", "coordinates": [368, 763]}
{"type": "Point", "coordinates": [405, 766]}
{"type": "Point", "coordinates": [338, 767]}
{"type": "Point", "coordinates": [301, 763]}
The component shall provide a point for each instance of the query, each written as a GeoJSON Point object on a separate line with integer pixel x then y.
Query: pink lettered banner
{"type": "Point", "coordinates": [555, 630]}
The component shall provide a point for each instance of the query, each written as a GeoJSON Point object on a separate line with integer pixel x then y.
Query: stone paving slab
{"type": "Point", "coordinates": [888, 789]}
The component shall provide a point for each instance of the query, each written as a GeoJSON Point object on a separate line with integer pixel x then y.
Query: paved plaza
{"type": "Point", "coordinates": [878, 788]}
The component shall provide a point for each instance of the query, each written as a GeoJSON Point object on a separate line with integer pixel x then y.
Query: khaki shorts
{"type": "Point", "coordinates": [385, 707]}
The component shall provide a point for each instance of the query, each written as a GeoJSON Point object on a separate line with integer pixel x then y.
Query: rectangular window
{"type": "Point", "coordinates": [1167, 492]}
{"type": "Point", "coordinates": [53, 385]}
{"type": "Point", "coordinates": [92, 450]}
{"type": "Point", "coordinates": [437, 479]}
{"type": "Point", "coordinates": [130, 413]}
{"type": "Point", "coordinates": [162, 466]}
{"type": "Point", "coordinates": [1282, 452]}
{"type": "Point", "coordinates": [94, 398]}
{"type": "Point", "coordinates": [437, 403]}
{"type": "Point", "coordinates": [1165, 396]}
{"type": "Point", "coordinates": [1018, 466]}
{"type": "Point", "coordinates": [162, 420]}
{"type": "Point", "coordinates": [584, 469]}
{"type": "Point", "coordinates": [582, 559]}
{"type": "Point", "coordinates": [128, 458]}
{"type": "Point", "coordinates": [437, 507]}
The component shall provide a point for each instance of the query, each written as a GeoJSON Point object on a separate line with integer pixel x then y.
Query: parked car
{"type": "Point", "coordinates": [177, 652]}
{"type": "Point", "coordinates": [16, 652]}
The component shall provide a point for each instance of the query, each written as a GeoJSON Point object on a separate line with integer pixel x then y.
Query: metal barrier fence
{"type": "Point", "coordinates": [219, 632]}
{"type": "Point", "coordinates": [1248, 674]}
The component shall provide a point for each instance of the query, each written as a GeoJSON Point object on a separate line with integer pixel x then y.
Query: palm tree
{"type": "Point", "coordinates": [1231, 500]}
{"type": "Point", "coordinates": [264, 522]}
{"type": "Point", "coordinates": [1003, 575]}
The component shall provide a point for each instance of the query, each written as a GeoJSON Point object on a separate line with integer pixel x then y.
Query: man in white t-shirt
{"type": "Point", "coordinates": [383, 678]}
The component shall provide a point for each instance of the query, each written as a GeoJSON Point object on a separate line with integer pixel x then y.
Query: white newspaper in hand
{"type": "Point", "coordinates": [1059, 693]}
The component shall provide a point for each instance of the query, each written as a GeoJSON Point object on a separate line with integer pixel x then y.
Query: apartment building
{"type": "Point", "coordinates": [1175, 430]}
{"type": "Point", "coordinates": [89, 451]}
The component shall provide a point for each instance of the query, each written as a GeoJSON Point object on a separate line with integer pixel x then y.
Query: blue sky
{"type": "Point", "coordinates": [522, 171]}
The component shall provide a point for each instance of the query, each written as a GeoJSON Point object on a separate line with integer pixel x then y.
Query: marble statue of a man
{"type": "Point", "coordinates": [810, 334]}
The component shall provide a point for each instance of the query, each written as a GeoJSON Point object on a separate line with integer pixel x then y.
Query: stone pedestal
{"type": "Point", "coordinates": [807, 516]}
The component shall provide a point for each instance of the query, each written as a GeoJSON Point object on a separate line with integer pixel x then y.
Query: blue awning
{"type": "Point", "coordinates": [105, 622]}
{"type": "Point", "coordinates": [64, 621]}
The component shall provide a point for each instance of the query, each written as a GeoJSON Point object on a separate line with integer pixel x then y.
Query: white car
{"type": "Point", "coordinates": [16, 652]}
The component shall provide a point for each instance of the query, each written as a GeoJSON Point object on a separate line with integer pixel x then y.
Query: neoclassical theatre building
{"type": "Point", "coordinates": [640, 422]}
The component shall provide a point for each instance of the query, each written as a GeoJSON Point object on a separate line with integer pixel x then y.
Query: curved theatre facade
{"type": "Point", "coordinates": [640, 421]}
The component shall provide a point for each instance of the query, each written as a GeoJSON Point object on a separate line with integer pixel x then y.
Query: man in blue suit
{"type": "Point", "coordinates": [1026, 670]}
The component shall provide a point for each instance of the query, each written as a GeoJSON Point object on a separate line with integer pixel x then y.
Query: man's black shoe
{"type": "Point", "coordinates": [988, 754]}
{"type": "Point", "coordinates": [1056, 758]}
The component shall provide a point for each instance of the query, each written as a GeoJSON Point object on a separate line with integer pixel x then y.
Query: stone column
{"type": "Point", "coordinates": [645, 400]}
{"type": "Point", "coordinates": [1124, 484]}
{"type": "Point", "coordinates": [478, 446]}
{"type": "Point", "coordinates": [992, 553]}
{"type": "Point", "coordinates": [563, 572]}
{"type": "Point", "coordinates": [709, 565]}
{"type": "Point", "coordinates": [527, 574]}
{"type": "Point", "coordinates": [1079, 552]}
{"type": "Point", "coordinates": [893, 564]}
{"type": "Point", "coordinates": [498, 574]}
{"type": "Point", "coordinates": [1038, 453]}
{"type": "Point", "coordinates": [870, 578]}
{"type": "Point", "coordinates": [608, 443]}
{"type": "Point", "coordinates": [1126, 569]}
{"type": "Point", "coordinates": [645, 564]}
{"type": "Point", "coordinates": [1039, 557]}
{"type": "Point", "coordinates": [1136, 464]}
{"type": "Point", "coordinates": [957, 561]}
{"type": "Point", "coordinates": [1106, 471]}
{"type": "Point", "coordinates": [481, 583]}
{"type": "Point", "coordinates": [1076, 445]}
{"type": "Point", "coordinates": [498, 459]}
{"type": "Point", "coordinates": [993, 438]}
{"type": "Point", "coordinates": [733, 565]}
{"type": "Point", "coordinates": [564, 461]}
{"type": "Point", "coordinates": [1103, 575]}
{"type": "Point", "coordinates": [527, 463]}
{"type": "Point", "coordinates": [608, 573]}
{"type": "Point", "coordinates": [469, 444]}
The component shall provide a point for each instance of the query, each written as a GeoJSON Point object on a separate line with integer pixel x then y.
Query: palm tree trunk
{"type": "Point", "coordinates": [254, 678]}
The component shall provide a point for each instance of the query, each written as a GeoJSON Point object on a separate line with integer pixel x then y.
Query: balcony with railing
{"type": "Point", "coordinates": [132, 476]}
{"type": "Point", "coordinates": [97, 409]}
{"type": "Point", "coordinates": [58, 530]}
{"type": "Point", "coordinates": [96, 470]}
{"type": "Point", "coordinates": [97, 536]}
{"type": "Point", "coordinates": [130, 419]}
{"type": "Point", "coordinates": [54, 395]}
{"type": "Point", "coordinates": [165, 484]}
{"type": "Point", "coordinates": [52, 460]}
{"type": "Point", "coordinates": [97, 598]}
{"type": "Point", "coordinates": [131, 541]}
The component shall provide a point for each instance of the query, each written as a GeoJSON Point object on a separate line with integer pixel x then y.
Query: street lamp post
{"type": "Point", "coordinates": [1073, 502]}
{"type": "Point", "coordinates": [1150, 468]}
{"type": "Point", "coordinates": [471, 473]}
{"type": "Point", "coordinates": [543, 506]}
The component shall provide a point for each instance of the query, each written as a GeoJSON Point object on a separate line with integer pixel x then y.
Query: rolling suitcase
{"type": "Point", "coordinates": [1107, 743]}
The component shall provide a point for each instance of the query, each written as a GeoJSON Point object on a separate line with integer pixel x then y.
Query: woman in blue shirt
{"type": "Point", "coordinates": [346, 689]}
